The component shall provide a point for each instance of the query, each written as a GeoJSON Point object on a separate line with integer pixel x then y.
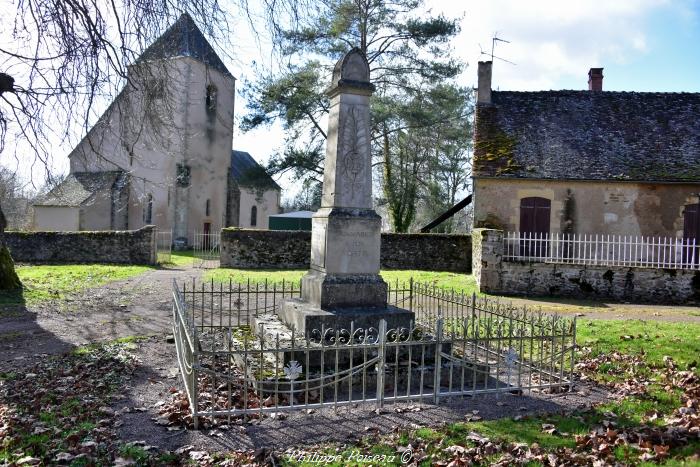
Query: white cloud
{"type": "Point", "coordinates": [553, 40]}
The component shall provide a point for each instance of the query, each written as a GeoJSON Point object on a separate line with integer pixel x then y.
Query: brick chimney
{"type": "Point", "coordinates": [595, 79]}
{"type": "Point", "coordinates": [483, 93]}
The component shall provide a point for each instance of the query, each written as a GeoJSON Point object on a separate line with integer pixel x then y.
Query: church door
{"type": "Point", "coordinates": [206, 232]}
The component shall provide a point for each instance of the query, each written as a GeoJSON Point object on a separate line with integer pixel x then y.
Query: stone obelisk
{"type": "Point", "coordinates": [343, 283]}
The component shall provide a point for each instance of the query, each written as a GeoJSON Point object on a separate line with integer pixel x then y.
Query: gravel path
{"type": "Point", "coordinates": [136, 306]}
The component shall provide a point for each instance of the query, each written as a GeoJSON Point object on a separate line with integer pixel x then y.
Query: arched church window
{"type": "Point", "coordinates": [148, 210]}
{"type": "Point", "coordinates": [211, 99]}
{"type": "Point", "coordinates": [207, 209]}
{"type": "Point", "coordinates": [253, 216]}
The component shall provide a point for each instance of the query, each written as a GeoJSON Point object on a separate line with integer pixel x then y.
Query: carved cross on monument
{"type": "Point", "coordinates": [344, 283]}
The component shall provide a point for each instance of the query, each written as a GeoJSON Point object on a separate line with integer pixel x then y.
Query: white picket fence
{"type": "Point", "coordinates": [602, 250]}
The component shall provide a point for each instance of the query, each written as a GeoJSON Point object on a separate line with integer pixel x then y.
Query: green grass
{"type": "Point", "coordinates": [128, 342]}
{"type": "Point", "coordinates": [448, 280]}
{"type": "Point", "coordinates": [180, 258]}
{"type": "Point", "coordinates": [50, 282]}
{"type": "Point", "coordinates": [656, 339]}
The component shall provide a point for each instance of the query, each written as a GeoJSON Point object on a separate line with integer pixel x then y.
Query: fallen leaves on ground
{"type": "Point", "coordinates": [58, 411]}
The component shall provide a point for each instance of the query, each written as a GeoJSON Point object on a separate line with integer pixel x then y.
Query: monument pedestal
{"type": "Point", "coordinates": [304, 318]}
{"type": "Point", "coordinates": [343, 288]}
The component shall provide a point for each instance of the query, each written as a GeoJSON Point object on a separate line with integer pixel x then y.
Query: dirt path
{"type": "Point", "coordinates": [138, 306]}
{"type": "Point", "coordinates": [601, 310]}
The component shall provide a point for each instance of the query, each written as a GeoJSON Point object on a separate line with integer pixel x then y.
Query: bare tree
{"type": "Point", "coordinates": [63, 60]}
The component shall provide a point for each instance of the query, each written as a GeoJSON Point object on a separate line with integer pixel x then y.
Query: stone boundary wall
{"type": "Point", "coordinates": [118, 247]}
{"type": "Point", "coordinates": [265, 249]}
{"type": "Point", "coordinates": [274, 249]}
{"type": "Point", "coordinates": [618, 283]}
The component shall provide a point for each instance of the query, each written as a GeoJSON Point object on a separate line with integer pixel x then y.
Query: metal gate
{"type": "Point", "coordinates": [235, 361]}
{"type": "Point", "coordinates": [164, 245]}
{"type": "Point", "coordinates": [207, 249]}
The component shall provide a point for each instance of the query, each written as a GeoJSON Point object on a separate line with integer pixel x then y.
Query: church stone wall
{"type": "Point", "coordinates": [118, 247]}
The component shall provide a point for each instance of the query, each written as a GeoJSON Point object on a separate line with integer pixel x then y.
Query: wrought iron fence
{"type": "Point", "coordinates": [603, 250]}
{"type": "Point", "coordinates": [237, 361]}
{"type": "Point", "coordinates": [206, 249]}
{"type": "Point", "coordinates": [164, 245]}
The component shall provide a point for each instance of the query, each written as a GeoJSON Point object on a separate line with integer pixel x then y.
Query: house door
{"type": "Point", "coordinates": [206, 235]}
{"type": "Point", "coordinates": [691, 234]}
{"type": "Point", "coordinates": [534, 226]}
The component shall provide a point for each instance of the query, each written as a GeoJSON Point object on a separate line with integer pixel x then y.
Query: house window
{"type": "Point", "coordinates": [534, 226]}
{"type": "Point", "coordinates": [207, 209]}
{"type": "Point", "coordinates": [148, 210]}
{"type": "Point", "coordinates": [691, 234]}
{"type": "Point", "coordinates": [211, 99]}
{"type": "Point", "coordinates": [253, 216]}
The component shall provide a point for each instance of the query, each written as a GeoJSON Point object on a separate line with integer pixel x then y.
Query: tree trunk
{"type": "Point", "coordinates": [8, 276]}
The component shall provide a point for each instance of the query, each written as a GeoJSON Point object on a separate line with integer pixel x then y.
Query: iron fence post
{"type": "Point", "coordinates": [410, 294]}
{"type": "Point", "coordinates": [381, 363]}
{"type": "Point", "coordinates": [437, 377]}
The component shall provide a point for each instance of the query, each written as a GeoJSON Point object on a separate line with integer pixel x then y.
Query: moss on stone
{"type": "Point", "coordinates": [494, 149]}
{"type": "Point", "coordinates": [8, 276]}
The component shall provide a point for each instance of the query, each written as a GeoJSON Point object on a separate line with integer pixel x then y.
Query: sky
{"type": "Point", "coordinates": [643, 45]}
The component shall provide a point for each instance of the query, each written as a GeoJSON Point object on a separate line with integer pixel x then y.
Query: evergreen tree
{"type": "Point", "coordinates": [408, 52]}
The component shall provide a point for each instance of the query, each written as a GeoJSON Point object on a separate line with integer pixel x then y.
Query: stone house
{"type": "Point", "coordinates": [587, 162]}
{"type": "Point", "coordinates": [161, 153]}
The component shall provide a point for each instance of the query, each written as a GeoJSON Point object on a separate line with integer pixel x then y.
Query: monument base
{"type": "Point", "coordinates": [304, 317]}
{"type": "Point", "coordinates": [329, 291]}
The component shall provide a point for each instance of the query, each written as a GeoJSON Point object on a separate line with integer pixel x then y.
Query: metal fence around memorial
{"type": "Point", "coordinates": [235, 362]}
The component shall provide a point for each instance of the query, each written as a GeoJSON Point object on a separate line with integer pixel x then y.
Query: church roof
{"type": "Point", "coordinates": [585, 135]}
{"type": "Point", "coordinates": [184, 39]}
{"type": "Point", "coordinates": [247, 172]}
{"type": "Point", "coordinates": [79, 187]}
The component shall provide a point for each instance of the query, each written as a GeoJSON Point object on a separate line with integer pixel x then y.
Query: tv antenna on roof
{"type": "Point", "coordinates": [495, 39]}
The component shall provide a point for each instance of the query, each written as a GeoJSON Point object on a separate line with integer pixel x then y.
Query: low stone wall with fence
{"type": "Point", "coordinates": [118, 247]}
{"type": "Point", "coordinates": [281, 249]}
{"type": "Point", "coordinates": [496, 274]}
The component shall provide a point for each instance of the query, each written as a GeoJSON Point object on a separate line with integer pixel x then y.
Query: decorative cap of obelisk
{"type": "Point", "coordinates": [351, 75]}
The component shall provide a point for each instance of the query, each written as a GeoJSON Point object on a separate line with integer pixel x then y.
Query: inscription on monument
{"type": "Point", "coordinates": [351, 158]}
{"type": "Point", "coordinates": [318, 245]}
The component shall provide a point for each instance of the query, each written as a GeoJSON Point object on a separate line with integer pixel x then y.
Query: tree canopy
{"type": "Point", "coordinates": [406, 49]}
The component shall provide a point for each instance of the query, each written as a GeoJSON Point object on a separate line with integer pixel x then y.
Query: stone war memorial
{"type": "Point", "coordinates": [343, 285]}
{"type": "Point", "coordinates": [343, 335]}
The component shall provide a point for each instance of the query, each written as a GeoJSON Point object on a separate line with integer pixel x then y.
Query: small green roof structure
{"type": "Point", "coordinates": [298, 220]}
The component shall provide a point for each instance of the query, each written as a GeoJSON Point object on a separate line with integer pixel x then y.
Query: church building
{"type": "Point", "coordinates": [161, 154]}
